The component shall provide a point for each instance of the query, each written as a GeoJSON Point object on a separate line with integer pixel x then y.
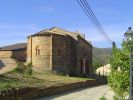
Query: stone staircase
{"type": "Point", "coordinates": [7, 64]}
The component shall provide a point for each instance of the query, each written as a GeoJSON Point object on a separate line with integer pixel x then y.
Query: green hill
{"type": "Point", "coordinates": [101, 55]}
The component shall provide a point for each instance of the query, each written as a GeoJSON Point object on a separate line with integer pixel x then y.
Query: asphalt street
{"type": "Point", "coordinates": [93, 93]}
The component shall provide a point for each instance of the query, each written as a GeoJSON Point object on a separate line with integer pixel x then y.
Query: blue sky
{"type": "Point", "coordinates": [21, 18]}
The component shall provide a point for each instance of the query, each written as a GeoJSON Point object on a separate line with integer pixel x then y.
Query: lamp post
{"type": "Point", "coordinates": [129, 39]}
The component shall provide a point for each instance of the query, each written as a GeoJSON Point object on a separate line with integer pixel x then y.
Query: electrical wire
{"type": "Point", "coordinates": [90, 14]}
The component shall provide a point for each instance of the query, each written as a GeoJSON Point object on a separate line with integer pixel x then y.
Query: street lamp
{"type": "Point", "coordinates": [129, 39]}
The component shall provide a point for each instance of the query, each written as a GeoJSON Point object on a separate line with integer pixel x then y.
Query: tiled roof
{"type": "Point", "coordinates": [56, 30]}
{"type": "Point", "coordinates": [13, 47]}
{"type": "Point", "coordinates": [46, 32]}
{"type": "Point", "coordinates": [59, 31]}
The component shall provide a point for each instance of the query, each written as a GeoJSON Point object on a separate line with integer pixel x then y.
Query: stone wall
{"type": "Point", "coordinates": [19, 55]}
{"type": "Point", "coordinates": [29, 50]}
{"type": "Point", "coordinates": [16, 54]}
{"type": "Point", "coordinates": [5, 54]}
{"type": "Point", "coordinates": [64, 55]}
{"type": "Point", "coordinates": [73, 56]}
{"type": "Point", "coordinates": [32, 93]}
{"type": "Point", "coordinates": [59, 53]}
{"type": "Point", "coordinates": [39, 51]}
{"type": "Point", "coordinates": [84, 53]}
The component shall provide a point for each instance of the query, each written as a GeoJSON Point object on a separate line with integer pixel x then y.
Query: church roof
{"type": "Point", "coordinates": [59, 31]}
{"type": "Point", "coordinates": [13, 47]}
{"type": "Point", "coordinates": [46, 32]}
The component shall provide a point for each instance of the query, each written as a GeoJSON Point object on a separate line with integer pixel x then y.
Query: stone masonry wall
{"type": "Point", "coordinates": [42, 58]}
{"type": "Point", "coordinates": [6, 54]}
{"type": "Point", "coordinates": [84, 52]}
{"type": "Point", "coordinates": [34, 93]}
{"type": "Point", "coordinates": [59, 53]}
{"type": "Point", "coordinates": [73, 56]}
{"type": "Point", "coordinates": [29, 52]}
{"type": "Point", "coordinates": [19, 55]}
{"type": "Point", "coordinates": [64, 55]}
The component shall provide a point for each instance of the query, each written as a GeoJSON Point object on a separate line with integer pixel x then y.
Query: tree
{"type": "Point", "coordinates": [118, 78]}
{"type": "Point", "coordinates": [97, 64]}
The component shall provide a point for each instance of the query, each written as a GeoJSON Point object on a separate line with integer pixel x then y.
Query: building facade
{"type": "Point", "coordinates": [16, 51]}
{"type": "Point", "coordinates": [61, 51]}
{"type": "Point", "coordinates": [54, 49]}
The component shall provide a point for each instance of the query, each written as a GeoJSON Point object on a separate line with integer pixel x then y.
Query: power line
{"type": "Point", "coordinates": [104, 33]}
{"type": "Point", "coordinates": [90, 14]}
{"type": "Point", "coordinates": [93, 18]}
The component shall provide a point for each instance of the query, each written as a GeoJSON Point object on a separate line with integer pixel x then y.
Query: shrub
{"type": "Point", "coordinates": [102, 98]}
{"type": "Point", "coordinates": [28, 70]}
{"type": "Point", "coordinates": [21, 68]}
{"type": "Point", "coordinates": [118, 78]}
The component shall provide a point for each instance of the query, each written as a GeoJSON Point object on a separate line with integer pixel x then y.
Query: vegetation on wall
{"type": "Point", "coordinates": [119, 77]}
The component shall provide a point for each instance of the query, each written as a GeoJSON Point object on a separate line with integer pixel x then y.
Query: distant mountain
{"type": "Point", "coordinates": [101, 55]}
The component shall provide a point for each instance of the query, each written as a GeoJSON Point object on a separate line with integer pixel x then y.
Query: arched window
{"type": "Point", "coordinates": [59, 52]}
{"type": "Point", "coordinates": [37, 50]}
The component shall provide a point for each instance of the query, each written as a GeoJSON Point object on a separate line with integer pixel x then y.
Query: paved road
{"type": "Point", "coordinates": [84, 94]}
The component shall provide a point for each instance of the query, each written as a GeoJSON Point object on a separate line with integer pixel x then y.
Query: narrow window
{"type": "Point", "coordinates": [59, 52]}
{"type": "Point", "coordinates": [37, 51]}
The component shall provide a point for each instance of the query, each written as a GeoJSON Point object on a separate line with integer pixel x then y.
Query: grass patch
{"type": "Point", "coordinates": [52, 79]}
{"type": "Point", "coordinates": [16, 80]}
{"type": "Point", "coordinates": [45, 79]}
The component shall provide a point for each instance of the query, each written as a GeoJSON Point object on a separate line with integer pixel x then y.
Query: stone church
{"type": "Point", "coordinates": [56, 49]}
